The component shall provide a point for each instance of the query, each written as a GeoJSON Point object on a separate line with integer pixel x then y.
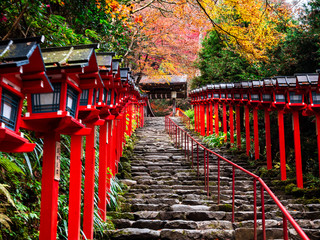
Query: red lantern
{"type": "Point", "coordinates": [21, 71]}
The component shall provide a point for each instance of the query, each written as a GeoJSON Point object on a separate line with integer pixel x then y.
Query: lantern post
{"type": "Point", "coordinates": [313, 97]}
{"type": "Point", "coordinates": [202, 112]}
{"type": "Point", "coordinates": [237, 101]}
{"type": "Point", "coordinates": [279, 103]}
{"type": "Point", "coordinates": [265, 104]}
{"type": "Point", "coordinates": [295, 96]}
{"type": "Point", "coordinates": [254, 103]}
{"type": "Point", "coordinates": [223, 98]}
{"type": "Point", "coordinates": [52, 114]}
{"type": "Point", "coordinates": [230, 89]}
{"type": "Point", "coordinates": [210, 89]}
{"type": "Point", "coordinates": [245, 98]}
{"type": "Point", "coordinates": [216, 99]}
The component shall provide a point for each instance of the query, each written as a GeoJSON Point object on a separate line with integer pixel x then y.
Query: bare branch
{"type": "Point", "coordinates": [143, 7]}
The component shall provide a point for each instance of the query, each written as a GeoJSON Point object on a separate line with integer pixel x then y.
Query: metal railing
{"type": "Point", "coordinates": [185, 119]}
{"type": "Point", "coordinates": [187, 143]}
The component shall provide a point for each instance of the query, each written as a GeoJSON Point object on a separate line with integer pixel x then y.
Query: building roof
{"type": "Point", "coordinates": [164, 80]}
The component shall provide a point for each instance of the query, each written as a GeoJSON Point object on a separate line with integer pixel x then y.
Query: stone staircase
{"type": "Point", "coordinates": [167, 199]}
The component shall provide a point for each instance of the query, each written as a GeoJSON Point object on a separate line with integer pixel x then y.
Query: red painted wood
{"type": "Point", "coordinates": [102, 182]}
{"type": "Point", "coordinates": [202, 120]}
{"type": "Point", "coordinates": [238, 127]}
{"type": "Point", "coordinates": [225, 127]}
{"type": "Point", "coordinates": [49, 189]}
{"type": "Point", "coordinates": [268, 138]}
{"type": "Point", "coordinates": [256, 134]}
{"type": "Point", "coordinates": [318, 136]}
{"type": "Point", "coordinates": [208, 119]}
{"type": "Point", "coordinates": [211, 119]}
{"type": "Point", "coordinates": [297, 149]}
{"type": "Point", "coordinates": [282, 146]}
{"type": "Point", "coordinates": [89, 184]}
{"type": "Point", "coordinates": [231, 124]}
{"type": "Point", "coordinates": [75, 188]}
{"type": "Point", "coordinates": [216, 115]}
{"type": "Point", "coordinates": [247, 123]}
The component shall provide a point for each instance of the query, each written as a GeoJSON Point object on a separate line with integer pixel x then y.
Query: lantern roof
{"type": "Point", "coordinates": [105, 61]}
{"type": "Point", "coordinates": [124, 73]}
{"type": "Point", "coordinates": [245, 84]}
{"type": "Point", "coordinates": [216, 86]}
{"type": "Point", "coordinates": [269, 82]}
{"type": "Point", "coordinates": [24, 56]}
{"type": "Point", "coordinates": [230, 85]}
{"type": "Point", "coordinates": [237, 85]}
{"type": "Point", "coordinates": [223, 86]}
{"type": "Point", "coordinates": [17, 52]}
{"type": "Point", "coordinates": [68, 57]}
{"type": "Point", "coordinates": [210, 86]}
{"type": "Point", "coordinates": [257, 83]}
{"type": "Point", "coordinates": [115, 65]}
{"type": "Point", "coordinates": [307, 78]}
{"type": "Point", "coordinates": [281, 81]}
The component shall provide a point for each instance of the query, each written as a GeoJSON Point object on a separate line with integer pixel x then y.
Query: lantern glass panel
{"type": "Point", "coordinates": [72, 97]}
{"type": "Point", "coordinates": [255, 97]}
{"type": "Point", "coordinates": [209, 95]}
{"type": "Point", "coordinates": [97, 95]}
{"type": "Point", "coordinates": [216, 95]}
{"type": "Point", "coordinates": [47, 102]}
{"type": "Point", "coordinates": [104, 95]}
{"type": "Point", "coordinates": [202, 97]}
{"type": "Point", "coordinates": [237, 96]}
{"type": "Point", "coordinates": [229, 95]}
{"type": "Point", "coordinates": [84, 97]}
{"type": "Point", "coordinates": [115, 98]}
{"type": "Point", "coordinates": [223, 95]}
{"type": "Point", "coordinates": [94, 94]}
{"type": "Point", "coordinates": [280, 98]}
{"type": "Point", "coordinates": [9, 109]}
{"type": "Point", "coordinates": [315, 98]}
{"type": "Point", "coordinates": [266, 97]}
{"type": "Point", "coordinates": [295, 98]}
{"type": "Point", "coordinates": [109, 97]}
{"type": "Point", "coordinates": [244, 96]}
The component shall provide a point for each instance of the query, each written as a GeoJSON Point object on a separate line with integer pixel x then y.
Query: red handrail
{"type": "Point", "coordinates": [173, 129]}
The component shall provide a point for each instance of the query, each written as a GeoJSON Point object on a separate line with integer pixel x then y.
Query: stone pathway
{"type": "Point", "coordinates": [168, 200]}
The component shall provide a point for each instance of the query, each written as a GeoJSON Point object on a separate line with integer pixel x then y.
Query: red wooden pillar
{"type": "Point", "coordinates": [208, 119]}
{"type": "Point", "coordinates": [211, 118]}
{"type": "Point", "coordinates": [282, 146]}
{"type": "Point", "coordinates": [318, 136]}
{"type": "Point", "coordinates": [268, 138]}
{"type": "Point", "coordinates": [247, 123]}
{"type": "Point", "coordinates": [109, 153]}
{"type": "Point", "coordinates": [102, 182]}
{"type": "Point", "coordinates": [231, 124]}
{"type": "Point", "coordinates": [50, 187]}
{"type": "Point", "coordinates": [256, 134]}
{"type": "Point", "coordinates": [216, 114]}
{"type": "Point", "coordinates": [198, 118]}
{"type": "Point", "coordinates": [75, 187]}
{"type": "Point", "coordinates": [202, 121]}
{"type": "Point", "coordinates": [225, 127]}
{"type": "Point", "coordinates": [89, 183]}
{"type": "Point", "coordinates": [238, 127]}
{"type": "Point", "coordinates": [297, 149]}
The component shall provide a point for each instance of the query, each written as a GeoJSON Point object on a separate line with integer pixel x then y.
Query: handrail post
{"type": "Point", "coordinates": [285, 227]}
{"type": "Point", "coordinates": [233, 191]}
{"type": "Point", "coordinates": [255, 208]}
{"type": "Point", "coordinates": [218, 180]}
{"type": "Point", "coordinates": [198, 160]}
{"type": "Point", "coordinates": [208, 171]}
{"type": "Point", "coordinates": [263, 214]}
{"type": "Point", "coordinates": [204, 169]}
{"type": "Point", "coordinates": [192, 151]}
